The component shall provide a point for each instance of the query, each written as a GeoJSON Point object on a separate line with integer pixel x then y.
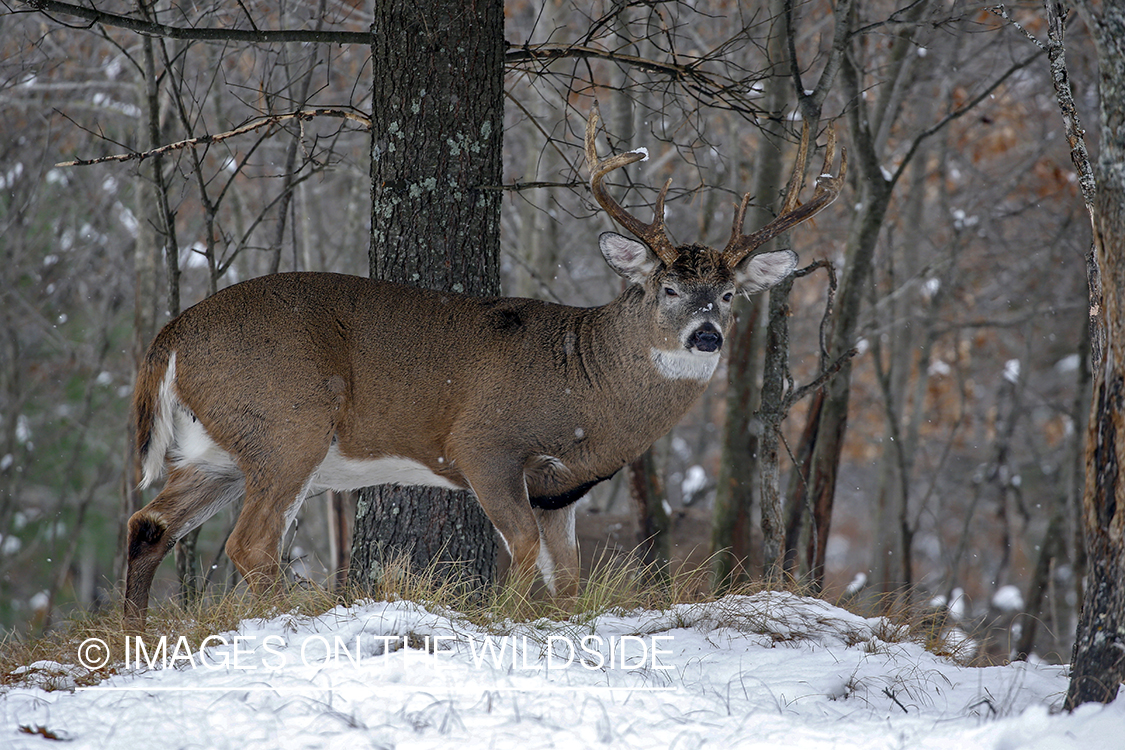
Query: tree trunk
{"type": "Point", "coordinates": [436, 139]}
{"type": "Point", "coordinates": [1098, 667]}
{"type": "Point", "coordinates": [826, 437]}
{"type": "Point", "coordinates": [739, 481]}
{"type": "Point", "coordinates": [646, 484]}
{"type": "Point", "coordinates": [731, 521]}
{"type": "Point", "coordinates": [774, 406]}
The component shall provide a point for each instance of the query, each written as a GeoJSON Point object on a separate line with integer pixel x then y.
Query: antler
{"type": "Point", "coordinates": [792, 213]}
{"type": "Point", "coordinates": [652, 234]}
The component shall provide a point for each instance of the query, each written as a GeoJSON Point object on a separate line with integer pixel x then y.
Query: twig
{"type": "Point", "coordinates": [891, 694]}
{"type": "Point", "coordinates": [795, 396]}
{"type": "Point", "coordinates": [1002, 11]}
{"type": "Point", "coordinates": [206, 140]}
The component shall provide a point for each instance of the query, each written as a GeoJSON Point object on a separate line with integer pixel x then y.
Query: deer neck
{"type": "Point", "coordinates": [620, 337]}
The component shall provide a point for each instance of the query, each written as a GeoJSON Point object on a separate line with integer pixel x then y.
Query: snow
{"type": "Point", "coordinates": [695, 480]}
{"type": "Point", "coordinates": [857, 584]}
{"type": "Point", "coordinates": [762, 671]}
{"type": "Point", "coordinates": [958, 605]}
{"type": "Point", "coordinates": [642, 151]}
{"type": "Point", "coordinates": [938, 367]}
{"type": "Point", "coordinates": [1068, 363]}
{"type": "Point", "coordinates": [1012, 371]}
{"type": "Point", "coordinates": [40, 600]}
{"type": "Point", "coordinates": [1008, 599]}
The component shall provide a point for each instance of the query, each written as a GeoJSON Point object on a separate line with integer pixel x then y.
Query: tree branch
{"type": "Point", "coordinates": [261, 122]}
{"type": "Point", "coordinates": [151, 28]}
{"type": "Point", "coordinates": [959, 112]}
{"type": "Point", "coordinates": [728, 90]}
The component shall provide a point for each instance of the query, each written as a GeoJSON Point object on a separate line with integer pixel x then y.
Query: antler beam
{"type": "Point", "coordinates": [792, 212]}
{"type": "Point", "coordinates": [651, 234]}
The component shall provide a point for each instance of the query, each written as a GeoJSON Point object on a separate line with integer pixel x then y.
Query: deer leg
{"type": "Point", "coordinates": [558, 550]}
{"type": "Point", "coordinates": [279, 459]}
{"type": "Point", "coordinates": [254, 545]}
{"type": "Point", "coordinates": [502, 493]}
{"type": "Point", "coordinates": [191, 496]}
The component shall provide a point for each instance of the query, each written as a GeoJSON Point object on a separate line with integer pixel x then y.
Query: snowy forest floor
{"type": "Point", "coordinates": [771, 669]}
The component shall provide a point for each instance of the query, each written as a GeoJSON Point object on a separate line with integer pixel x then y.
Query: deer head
{"type": "Point", "coordinates": [693, 285]}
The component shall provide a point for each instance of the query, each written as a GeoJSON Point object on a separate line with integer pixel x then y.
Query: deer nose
{"type": "Point", "coordinates": [706, 338]}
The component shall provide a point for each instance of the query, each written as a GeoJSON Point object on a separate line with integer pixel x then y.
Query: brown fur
{"type": "Point", "coordinates": [280, 368]}
{"type": "Point", "coordinates": [526, 403]}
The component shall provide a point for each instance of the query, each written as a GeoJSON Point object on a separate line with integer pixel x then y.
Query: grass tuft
{"type": "Point", "coordinates": [618, 585]}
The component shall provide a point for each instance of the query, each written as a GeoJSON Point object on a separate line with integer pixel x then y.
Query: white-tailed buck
{"type": "Point", "coordinates": [289, 384]}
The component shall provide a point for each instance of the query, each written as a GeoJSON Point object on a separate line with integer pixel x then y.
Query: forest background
{"type": "Point", "coordinates": [961, 470]}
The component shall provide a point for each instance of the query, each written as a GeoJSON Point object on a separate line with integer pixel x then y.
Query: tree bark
{"type": "Point", "coordinates": [437, 122]}
{"type": "Point", "coordinates": [738, 481]}
{"type": "Point", "coordinates": [1098, 667]}
{"type": "Point", "coordinates": [731, 520]}
{"type": "Point", "coordinates": [646, 485]}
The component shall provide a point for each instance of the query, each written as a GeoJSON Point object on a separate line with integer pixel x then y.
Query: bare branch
{"type": "Point", "coordinates": [205, 140]}
{"type": "Point", "coordinates": [795, 396]}
{"type": "Point", "coordinates": [151, 28]}
{"type": "Point", "coordinates": [1002, 11]}
{"type": "Point", "coordinates": [516, 187]}
{"type": "Point", "coordinates": [717, 89]}
{"type": "Point", "coordinates": [959, 112]}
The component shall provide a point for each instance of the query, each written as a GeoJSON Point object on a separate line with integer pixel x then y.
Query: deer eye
{"type": "Point", "coordinates": [671, 292]}
{"type": "Point", "coordinates": [728, 296]}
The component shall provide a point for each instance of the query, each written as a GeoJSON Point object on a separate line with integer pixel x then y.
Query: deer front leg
{"type": "Point", "coordinates": [558, 551]}
{"type": "Point", "coordinates": [502, 492]}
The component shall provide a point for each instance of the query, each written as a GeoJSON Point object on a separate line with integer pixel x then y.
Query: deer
{"type": "Point", "coordinates": [288, 384]}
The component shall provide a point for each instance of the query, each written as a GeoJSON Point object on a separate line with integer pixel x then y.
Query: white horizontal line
{"type": "Point", "coordinates": [398, 688]}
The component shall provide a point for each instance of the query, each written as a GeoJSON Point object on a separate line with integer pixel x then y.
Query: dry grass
{"type": "Point", "coordinates": [908, 616]}
{"type": "Point", "coordinates": [51, 660]}
{"type": "Point", "coordinates": [620, 585]}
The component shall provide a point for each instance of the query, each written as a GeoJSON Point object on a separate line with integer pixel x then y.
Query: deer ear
{"type": "Point", "coordinates": [627, 257]}
{"type": "Point", "coordinates": [758, 273]}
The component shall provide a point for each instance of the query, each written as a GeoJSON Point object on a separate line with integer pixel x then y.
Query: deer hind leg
{"type": "Point", "coordinates": [191, 496]}
{"type": "Point", "coordinates": [270, 506]}
{"type": "Point", "coordinates": [558, 550]}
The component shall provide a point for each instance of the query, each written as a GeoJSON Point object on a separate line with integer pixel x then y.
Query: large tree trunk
{"type": "Point", "coordinates": [437, 114]}
{"type": "Point", "coordinates": [1099, 650]}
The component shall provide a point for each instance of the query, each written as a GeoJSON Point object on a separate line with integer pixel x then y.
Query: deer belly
{"type": "Point", "coordinates": [338, 472]}
{"type": "Point", "coordinates": [193, 446]}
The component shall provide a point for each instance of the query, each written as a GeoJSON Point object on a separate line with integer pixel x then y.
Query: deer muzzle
{"type": "Point", "coordinates": [706, 338]}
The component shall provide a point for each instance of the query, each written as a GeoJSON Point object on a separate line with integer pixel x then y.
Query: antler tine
{"type": "Point", "coordinates": [651, 234]}
{"type": "Point", "coordinates": [792, 189]}
{"type": "Point", "coordinates": [792, 213]}
{"type": "Point", "coordinates": [797, 178]}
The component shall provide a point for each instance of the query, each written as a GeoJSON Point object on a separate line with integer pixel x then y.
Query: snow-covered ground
{"type": "Point", "coordinates": [770, 670]}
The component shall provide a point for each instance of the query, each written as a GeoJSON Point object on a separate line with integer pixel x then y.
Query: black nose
{"type": "Point", "coordinates": [706, 338]}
